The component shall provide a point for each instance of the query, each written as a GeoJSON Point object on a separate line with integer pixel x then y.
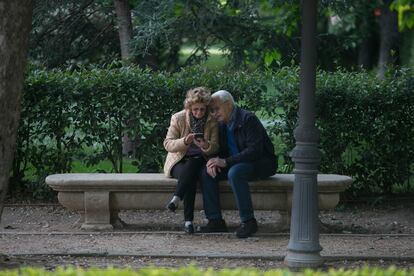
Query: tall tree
{"type": "Point", "coordinates": [388, 23]}
{"type": "Point", "coordinates": [123, 13]}
{"type": "Point", "coordinates": [15, 26]}
{"type": "Point", "coordinates": [368, 34]}
{"type": "Point", "coordinates": [405, 10]}
{"type": "Point", "coordinates": [73, 32]}
{"type": "Point", "coordinates": [247, 30]}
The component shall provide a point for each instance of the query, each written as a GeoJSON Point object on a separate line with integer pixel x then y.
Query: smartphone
{"type": "Point", "coordinates": [199, 135]}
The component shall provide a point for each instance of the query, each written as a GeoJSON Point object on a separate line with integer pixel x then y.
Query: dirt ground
{"type": "Point", "coordinates": [393, 217]}
{"type": "Point", "coordinates": [46, 235]}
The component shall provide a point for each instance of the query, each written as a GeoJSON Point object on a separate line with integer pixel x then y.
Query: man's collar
{"type": "Point", "coordinates": [230, 124]}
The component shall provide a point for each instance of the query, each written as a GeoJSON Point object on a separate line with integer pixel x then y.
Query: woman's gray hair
{"type": "Point", "coordinates": [197, 95]}
{"type": "Point", "coordinates": [224, 96]}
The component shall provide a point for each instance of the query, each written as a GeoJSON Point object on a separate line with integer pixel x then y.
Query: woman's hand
{"type": "Point", "coordinates": [201, 143]}
{"type": "Point", "coordinates": [189, 138]}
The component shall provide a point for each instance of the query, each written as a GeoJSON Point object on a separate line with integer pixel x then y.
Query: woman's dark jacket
{"type": "Point", "coordinates": [252, 141]}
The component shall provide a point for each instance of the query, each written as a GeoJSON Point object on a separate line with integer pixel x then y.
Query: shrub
{"type": "Point", "coordinates": [83, 115]}
{"type": "Point", "coordinates": [366, 125]}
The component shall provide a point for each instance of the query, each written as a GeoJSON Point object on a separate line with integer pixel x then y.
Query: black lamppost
{"type": "Point", "coordinates": [304, 247]}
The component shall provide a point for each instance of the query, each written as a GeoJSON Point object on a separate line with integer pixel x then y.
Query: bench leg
{"type": "Point", "coordinates": [115, 220]}
{"type": "Point", "coordinates": [97, 211]}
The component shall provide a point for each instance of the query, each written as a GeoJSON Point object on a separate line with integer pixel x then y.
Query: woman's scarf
{"type": "Point", "coordinates": [197, 125]}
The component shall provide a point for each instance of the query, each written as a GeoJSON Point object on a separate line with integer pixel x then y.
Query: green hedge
{"type": "Point", "coordinates": [82, 115]}
{"type": "Point", "coordinates": [366, 271]}
{"type": "Point", "coordinates": [367, 126]}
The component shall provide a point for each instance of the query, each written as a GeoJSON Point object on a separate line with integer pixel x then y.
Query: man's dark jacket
{"type": "Point", "coordinates": [252, 141]}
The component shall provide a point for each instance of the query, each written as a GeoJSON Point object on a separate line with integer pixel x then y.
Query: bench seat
{"type": "Point", "coordinates": [98, 197]}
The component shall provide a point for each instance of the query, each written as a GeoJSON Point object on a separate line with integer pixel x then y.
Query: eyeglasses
{"type": "Point", "coordinates": [214, 109]}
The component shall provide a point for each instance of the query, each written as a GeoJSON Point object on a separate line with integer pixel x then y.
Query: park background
{"type": "Point", "coordinates": [105, 76]}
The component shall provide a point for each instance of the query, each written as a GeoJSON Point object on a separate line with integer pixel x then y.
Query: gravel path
{"type": "Point", "coordinates": [161, 244]}
{"type": "Point", "coordinates": [46, 236]}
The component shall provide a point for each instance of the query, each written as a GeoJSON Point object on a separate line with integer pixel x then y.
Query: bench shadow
{"type": "Point", "coordinates": [161, 227]}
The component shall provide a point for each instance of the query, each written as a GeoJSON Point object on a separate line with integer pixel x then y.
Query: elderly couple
{"type": "Point", "coordinates": [210, 140]}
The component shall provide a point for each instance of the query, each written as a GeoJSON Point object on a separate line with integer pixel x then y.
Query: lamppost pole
{"type": "Point", "coordinates": [304, 247]}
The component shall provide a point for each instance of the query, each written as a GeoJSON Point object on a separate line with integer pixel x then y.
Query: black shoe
{"type": "Point", "coordinates": [247, 229]}
{"type": "Point", "coordinates": [171, 206]}
{"type": "Point", "coordinates": [214, 226]}
{"type": "Point", "coordinates": [189, 229]}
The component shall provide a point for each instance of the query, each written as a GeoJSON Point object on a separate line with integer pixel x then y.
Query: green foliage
{"type": "Point", "coordinates": [366, 126]}
{"type": "Point", "coordinates": [405, 9]}
{"type": "Point", "coordinates": [73, 32]}
{"type": "Point", "coordinates": [80, 116]}
{"type": "Point", "coordinates": [254, 34]}
{"type": "Point", "coordinates": [192, 270]}
{"type": "Point", "coordinates": [79, 32]}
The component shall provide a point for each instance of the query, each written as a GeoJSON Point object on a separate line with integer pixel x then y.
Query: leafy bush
{"type": "Point", "coordinates": [191, 270]}
{"type": "Point", "coordinates": [366, 125]}
{"type": "Point", "coordinates": [83, 115]}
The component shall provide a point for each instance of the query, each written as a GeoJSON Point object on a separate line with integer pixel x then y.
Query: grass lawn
{"type": "Point", "coordinates": [216, 59]}
{"type": "Point", "coordinates": [103, 166]}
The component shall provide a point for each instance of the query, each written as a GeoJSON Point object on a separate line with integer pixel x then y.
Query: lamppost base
{"type": "Point", "coordinates": [303, 259]}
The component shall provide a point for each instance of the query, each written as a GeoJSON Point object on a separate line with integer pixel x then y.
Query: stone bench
{"type": "Point", "coordinates": [98, 197]}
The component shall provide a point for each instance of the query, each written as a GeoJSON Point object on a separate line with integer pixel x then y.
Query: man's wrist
{"type": "Point", "coordinates": [224, 162]}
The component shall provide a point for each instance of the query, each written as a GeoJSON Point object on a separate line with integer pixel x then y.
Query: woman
{"type": "Point", "coordinates": [191, 137]}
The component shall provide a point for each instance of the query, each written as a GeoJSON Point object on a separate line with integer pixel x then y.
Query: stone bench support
{"type": "Point", "coordinates": [98, 197]}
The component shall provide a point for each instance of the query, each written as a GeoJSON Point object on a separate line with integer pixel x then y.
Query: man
{"type": "Point", "coordinates": [246, 153]}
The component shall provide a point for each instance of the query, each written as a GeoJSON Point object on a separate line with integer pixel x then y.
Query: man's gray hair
{"type": "Point", "coordinates": [224, 96]}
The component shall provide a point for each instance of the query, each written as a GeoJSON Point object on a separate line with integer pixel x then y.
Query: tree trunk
{"type": "Point", "coordinates": [365, 53]}
{"type": "Point", "coordinates": [15, 26]}
{"type": "Point", "coordinates": [407, 48]}
{"type": "Point", "coordinates": [123, 13]}
{"type": "Point", "coordinates": [388, 23]}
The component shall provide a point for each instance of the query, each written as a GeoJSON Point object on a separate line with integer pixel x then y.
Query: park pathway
{"type": "Point", "coordinates": [47, 236]}
{"type": "Point", "coordinates": [165, 244]}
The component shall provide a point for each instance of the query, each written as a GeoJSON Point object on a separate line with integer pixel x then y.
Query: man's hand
{"type": "Point", "coordinates": [214, 166]}
{"type": "Point", "coordinates": [217, 162]}
{"type": "Point", "coordinates": [213, 171]}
